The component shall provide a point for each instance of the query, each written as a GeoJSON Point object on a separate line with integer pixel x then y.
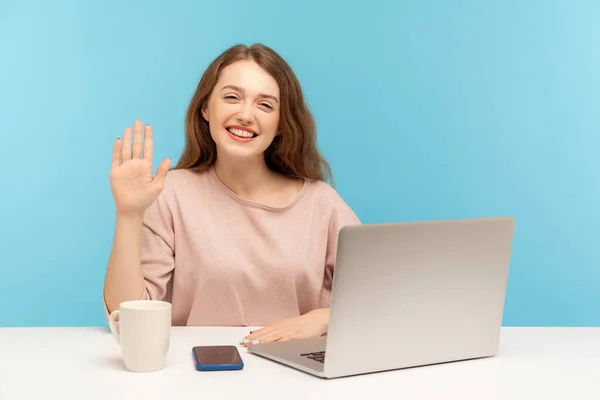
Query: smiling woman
{"type": "Point", "coordinates": [241, 112]}
{"type": "Point", "coordinates": [253, 83]}
{"type": "Point", "coordinates": [243, 231]}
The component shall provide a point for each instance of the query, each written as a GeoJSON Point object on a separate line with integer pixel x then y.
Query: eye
{"type": "Point", "coordinates": [266, 105]}
{"type": "Point", "coordinates": [231, 97]}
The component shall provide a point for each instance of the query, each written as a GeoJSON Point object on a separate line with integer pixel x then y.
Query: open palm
{"type": "Point", "coordinates": [133, 185]}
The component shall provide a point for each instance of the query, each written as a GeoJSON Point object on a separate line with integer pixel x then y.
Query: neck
{"type": "Point", "coordinates": [245, 178]}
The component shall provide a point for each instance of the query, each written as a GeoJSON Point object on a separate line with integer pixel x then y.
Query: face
{"type": "Point", "coordinates": [243, 111]}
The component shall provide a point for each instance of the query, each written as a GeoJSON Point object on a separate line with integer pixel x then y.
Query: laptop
{"type": "Point", "coordinates": [406, 295]}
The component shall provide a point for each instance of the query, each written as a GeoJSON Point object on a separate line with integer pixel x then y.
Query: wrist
{"type": "Point", "coordinates": [129, 217]}
{"type": "Point", "coordinates": [323, 315]}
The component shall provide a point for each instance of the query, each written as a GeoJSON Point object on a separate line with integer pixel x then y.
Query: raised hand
{"type": "Point", "coordinates": [132, 183]}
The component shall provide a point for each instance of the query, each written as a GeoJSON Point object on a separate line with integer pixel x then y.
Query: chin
{"type": "Point", "coordinates": [238, 150]}
{"type": "Point", "coordinates": [239, 153]}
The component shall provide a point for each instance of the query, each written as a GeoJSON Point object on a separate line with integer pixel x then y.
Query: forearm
{"type": "Point", "coordinates": [124, 279]}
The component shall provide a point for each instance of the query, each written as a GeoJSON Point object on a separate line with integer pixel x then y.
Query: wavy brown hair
{"type": "Point", "coordinates": [294, 151]}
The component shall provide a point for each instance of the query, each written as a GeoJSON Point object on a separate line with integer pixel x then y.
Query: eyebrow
{"type": "Point", "coordinates": [239, 89]}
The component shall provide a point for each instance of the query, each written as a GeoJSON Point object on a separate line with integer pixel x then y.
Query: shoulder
{"type": "Point", "coordinates": [331, 202]}
{"type": "Point", "coordinates": [185, 182]}
{"type": "Point", "coordinates": [181, 184]}
{"type": "Point", "coordinates": [180, 179]}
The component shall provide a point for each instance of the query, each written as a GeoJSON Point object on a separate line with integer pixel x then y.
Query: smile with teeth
{"type": "Point", "coordinates": [241, 133]}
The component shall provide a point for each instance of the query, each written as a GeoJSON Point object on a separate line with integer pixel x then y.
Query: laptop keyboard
{"type": "Point", "coordinates": [317, 356]}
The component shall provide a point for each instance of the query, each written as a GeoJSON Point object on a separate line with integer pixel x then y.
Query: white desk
{"type": "Point", "coordinates": [84, 363]}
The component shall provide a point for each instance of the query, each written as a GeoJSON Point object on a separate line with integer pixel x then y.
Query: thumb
{"type": "Point", "coordinates": [161, 173]}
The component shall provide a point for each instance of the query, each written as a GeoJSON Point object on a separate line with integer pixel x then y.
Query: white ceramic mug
{"type": "Point", "coordinates": [144, 333]}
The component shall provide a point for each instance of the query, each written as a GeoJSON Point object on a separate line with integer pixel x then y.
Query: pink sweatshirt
{"type": "Point", "coordinates": [221, 260]}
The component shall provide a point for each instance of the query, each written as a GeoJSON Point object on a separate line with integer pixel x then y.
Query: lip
{"type": "Point", "coordinates": [241, 128]}
{"type": "Point", "coordinates": [239, 139]}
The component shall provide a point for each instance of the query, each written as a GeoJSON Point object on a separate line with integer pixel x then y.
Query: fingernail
{"type": "Point", "coordinates": [255, 341]}
{"type": "Point", "coordinates": [244, 341]}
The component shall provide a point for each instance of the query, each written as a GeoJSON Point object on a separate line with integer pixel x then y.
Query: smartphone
{"type": "Point", "coordinates": [217, 358]}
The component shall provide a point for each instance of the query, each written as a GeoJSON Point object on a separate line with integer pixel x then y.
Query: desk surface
{"type": "Point", "coordinates": [85, 363]}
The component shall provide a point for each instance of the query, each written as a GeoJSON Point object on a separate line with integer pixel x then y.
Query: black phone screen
{"type": "Point", "coordinates": [217, 355]}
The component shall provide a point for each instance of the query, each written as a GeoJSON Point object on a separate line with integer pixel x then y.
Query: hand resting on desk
{"type": "Point", "coordinates": [311, 324]}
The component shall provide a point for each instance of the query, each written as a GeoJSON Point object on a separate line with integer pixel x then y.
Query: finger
{"type": "Point", "coordinates": [262, 332]}
{"type": "Point", "coordinates": [148, 143]}
{"type": "Point", "coordinates": [274, 337]}
{"type": "Point", "coordinates": [246, 341]}
{"type": "Point", "coordinates": [257, 331]}
{"type": "Point", "coordinates": [137, 140]}
{"type": "Point", "coordinates": [266, 336]}
{"type": "Point", "coordinates": [116, 155]}
{"type": "Point", "coordinates": [162, 171]}
{"type": "Point", "coordinates": [253, 337]}
{"type": "Point", "coordinates": [126, 146]}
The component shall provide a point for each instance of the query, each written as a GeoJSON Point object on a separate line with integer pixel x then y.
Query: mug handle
{"type": "Point", "coordinates": [113, 325]}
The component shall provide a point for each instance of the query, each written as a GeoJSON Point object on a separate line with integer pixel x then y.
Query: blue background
{"type": "Point", "coordinates": [425, 109]}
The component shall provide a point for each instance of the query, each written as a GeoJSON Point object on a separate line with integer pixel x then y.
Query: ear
{"type": "Point", "coordinates": [205, 112]}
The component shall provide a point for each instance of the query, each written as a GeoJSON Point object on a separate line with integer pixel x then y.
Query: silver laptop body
{"type": "Point", "coordinates": [409, 294]}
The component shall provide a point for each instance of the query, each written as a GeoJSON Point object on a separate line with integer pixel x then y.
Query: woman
{"type": "Point", "coordinates": [243, 231]}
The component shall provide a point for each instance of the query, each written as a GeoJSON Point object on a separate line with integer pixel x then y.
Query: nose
{"type": "Point", "coordinates": [246, 114]}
